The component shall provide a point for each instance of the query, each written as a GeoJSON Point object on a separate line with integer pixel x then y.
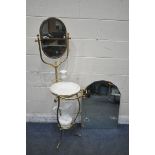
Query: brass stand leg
{"type": "Point", "coordinates": [78, 134]}
{"type": "Point", "coordinates": [78, 109]}
{"type": "Point", "coordinates": [58, 110]}
{"type": "Point", "coordinates": [60, 140]}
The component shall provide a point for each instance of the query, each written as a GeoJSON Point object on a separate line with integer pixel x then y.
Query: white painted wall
{"type": "Point", "coordinates": [98, 50]}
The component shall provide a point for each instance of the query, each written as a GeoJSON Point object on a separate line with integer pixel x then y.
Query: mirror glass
{"type": "Point", "coordinates": [100, 108]}
{"type": "Point", "coordinates": [53, 37]}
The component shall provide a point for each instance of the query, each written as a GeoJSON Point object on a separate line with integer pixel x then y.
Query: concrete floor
{"type": "Point", "coordinates": [42, 139]}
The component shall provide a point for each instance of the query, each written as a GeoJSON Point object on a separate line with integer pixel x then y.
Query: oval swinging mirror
{"type": "Point", "coordinates": [53, 37]}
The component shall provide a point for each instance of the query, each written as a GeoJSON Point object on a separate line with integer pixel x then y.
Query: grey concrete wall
{"type": "Point", "coordinates": [99, 50]}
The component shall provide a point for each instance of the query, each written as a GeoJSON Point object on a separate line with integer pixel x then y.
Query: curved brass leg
{"type": "Point", "coordinates": [61, 132]}
{"type": "Point", "coordinates": [78, 109]}
{"type": "Point", "coordinates": [58, 110]}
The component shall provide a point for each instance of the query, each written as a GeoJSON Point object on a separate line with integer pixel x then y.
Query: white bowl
{"type": "Point", "coordinates": [65, 121]}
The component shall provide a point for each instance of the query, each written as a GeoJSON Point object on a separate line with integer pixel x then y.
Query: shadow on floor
{"type": "Point", "coordinates": [42, 139]}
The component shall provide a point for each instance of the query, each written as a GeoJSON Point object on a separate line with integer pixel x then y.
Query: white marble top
{"type": "Point", "coordinates": [65, 88]}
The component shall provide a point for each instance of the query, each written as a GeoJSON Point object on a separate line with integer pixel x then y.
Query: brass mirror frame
{"type": "Point", "coordinates": [56, 64]}
{"type": "Point", "coordinates": [48, 24]}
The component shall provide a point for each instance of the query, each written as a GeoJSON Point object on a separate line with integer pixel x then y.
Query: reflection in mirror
{"type": "Point", "coordinates": [100, 108]}
{"type": "Point", "coordinates": [53, 37]}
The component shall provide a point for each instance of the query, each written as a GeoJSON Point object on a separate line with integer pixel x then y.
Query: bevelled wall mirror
{"type": "Point", "coordinates": [100, 109]}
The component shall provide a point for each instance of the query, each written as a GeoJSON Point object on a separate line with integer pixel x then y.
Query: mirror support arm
{"type": "Point", "coordinates": [67, 43]}
{"type": "Point", "coordinates": [38, 40]}
{"type": "Point", "coordinates": [53, 65]}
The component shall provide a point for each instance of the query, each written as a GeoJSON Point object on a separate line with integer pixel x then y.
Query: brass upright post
{"type": "Point", "coordinates": [56, 72]}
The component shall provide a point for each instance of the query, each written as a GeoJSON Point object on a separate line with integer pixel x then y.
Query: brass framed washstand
{"type": "Point", "coordinates": [53, 41]}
